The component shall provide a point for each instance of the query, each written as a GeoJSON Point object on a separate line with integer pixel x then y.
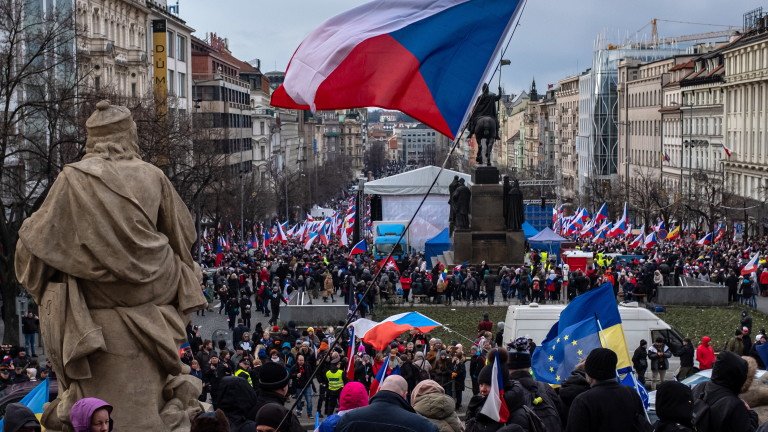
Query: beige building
{"type": "Point", "coordinates": [512, 119]}
{"type": "Point", "coordinates": [640, 94]}
{"type": "Point", "coordinates": [745, 120]}
{"type": "Point", "coordinates": [566, 131]}
{"type": "Point", "coordinates": [112, 46]}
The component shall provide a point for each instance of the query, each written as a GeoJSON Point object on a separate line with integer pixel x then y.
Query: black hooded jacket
{"type": "Point", "coordinates": [238, 401]}
{"type": "Point", "coordinates": [674, 406]}
{"type": "Point", "coordinates": [727, 412]}
{"type": "Point", "coordinates": [575, 385]}
{"type": "Point", "coordinates": [18, 415]}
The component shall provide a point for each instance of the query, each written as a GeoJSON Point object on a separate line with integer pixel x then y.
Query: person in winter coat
{"type": "Point", "coordinates": [736, 343]}
{"type": "Point", "coordinates": [705, 354]}
{"type": "Point", "coordinates": [640, 361]}
{"type": "Point", "coordinates": [270, 416]}
{"type": "Point", "coordinates": [238, 401]}
{"type": "Point", "coordinates": [328, 288]}
{"type": "Point", "coordinates": [273, 388]}
{"type": "Point", "coordinates": [674, 407]}
{"type": "Point", "coordinates": [659, 354]}
{"type": "Point", "coordinates": [726, 411]}
{"type": "Point", "coordinates": [575, 385]}
{"type": "Point", "coordinates": [353, 395]}
{"type": "Point", "coordinates": [458, 376]}
{"type": "Point", "coordinates": [686, 360]}
{"type": "Point", "coordinates": [364, 370]}
{"type": "Point", "coordinates": [429, 399]}
{"type": "Point", "coordinates": [388, 411]}
{"type": "Point", "coordinates": [18, 417]}
{"type": "Point", "coordinates": [607, 406]}
{"type": "Point", "coordinates": [91, 415]}
{"type": "Point", "coordinates": [210, 422]}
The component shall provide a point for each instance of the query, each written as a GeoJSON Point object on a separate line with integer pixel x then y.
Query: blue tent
{"type": "Point", "coordinates": [548, 241]}
{"type": "Point", "coordinates": [529, 230]}
{"type": "Point", "coordinates": [436, 246]}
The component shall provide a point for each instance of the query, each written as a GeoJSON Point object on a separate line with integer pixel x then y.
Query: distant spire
{"type": "Point", "coordinates": [534, 95]}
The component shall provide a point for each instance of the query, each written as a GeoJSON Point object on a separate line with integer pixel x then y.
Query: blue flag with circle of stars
{"type": "Point", "coordinates": [555, 359]}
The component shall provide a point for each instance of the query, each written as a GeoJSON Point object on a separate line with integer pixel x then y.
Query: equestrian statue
{"type": "Point", "coordinates": [484, 123]}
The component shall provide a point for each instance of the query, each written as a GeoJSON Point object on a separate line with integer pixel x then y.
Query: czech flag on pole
{"type": "Point", "coordinates": [381, 375]}
{"type": "Point", "coordinates": [383, 333]}
{"type": "Point", "coordinates": [751, 266]}
{"type": "Point", "coordinates": [602, 214]}
{"type": "Point", "coordinates": [495, 407]}
{"type": "Point", "coordinates": [360, 248]}
{"type": "Point", "coordinates": [425, 58]}
{"type": "Point", "coordinates": [706, 240]}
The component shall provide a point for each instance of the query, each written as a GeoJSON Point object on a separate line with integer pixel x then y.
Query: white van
{"type": "Point", "coordinates": [534, 321]}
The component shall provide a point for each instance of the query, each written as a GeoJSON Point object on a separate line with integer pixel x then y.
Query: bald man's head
{"type": "Point", "coordinates": [396, 384]}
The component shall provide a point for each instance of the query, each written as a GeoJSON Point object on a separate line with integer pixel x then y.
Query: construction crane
{"type": "Point", "coordinates": [655, 40]}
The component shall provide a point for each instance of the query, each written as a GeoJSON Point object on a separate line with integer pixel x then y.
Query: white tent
{"type": "Point", "coordinates": [401, 195]}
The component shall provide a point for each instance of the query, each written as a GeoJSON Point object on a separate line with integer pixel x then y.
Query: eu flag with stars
{"type": "Point", "coordinates": [555, 359]}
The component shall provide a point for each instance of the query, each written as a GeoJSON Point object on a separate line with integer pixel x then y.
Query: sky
{"type": "Point", "coordinates": [554, 39]}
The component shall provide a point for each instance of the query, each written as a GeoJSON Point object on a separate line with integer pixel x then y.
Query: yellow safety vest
{"type": "Point", "coordinates": [335, 380]}
{"type": "Point", "coordinates": [247, 376]}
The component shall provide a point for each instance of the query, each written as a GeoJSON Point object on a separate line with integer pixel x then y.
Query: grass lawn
{"type": "Point", "coordinates": [719, 323]}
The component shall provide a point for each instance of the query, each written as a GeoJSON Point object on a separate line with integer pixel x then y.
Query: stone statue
{"type": "Point", "coordinates": [462, 196]}
{"type": "Point", "coordinates": [506, 187]}
{"type": "Point", "coordinates": [515, 213]}
{"type": "Point", "coordinates": [452, 216]}
{"type": "Point", "coordinates": [107, 258]}
{"type": "Point", "coordinates": [484, 123]}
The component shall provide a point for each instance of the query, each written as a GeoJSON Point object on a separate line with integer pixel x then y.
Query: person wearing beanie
{"type": "Point", "coordinates": [640, 361]}
{"type": "Point", "coordinates": [573, 386]}
{"type": "Point", "coordinates": [514, 397]}
{"type": "Point", "coordinates": [607, 406]}
{"type": "Point", "coordinates": [499, 339]}
{"type": "Point", "coordinates": [388, 411]}
{"type": "Point", "coordinates": [674, 407]}
{"type": "Point", "coordinates": [210, 422]}
{"type": "Point", "coordinates": [429, 399]}
{"type": "Point", "coordinates": [353, 395]}
{"type": "Point", "coordinates": [91, 414]}
{"type": "Point", "coordinates": [726, 411]}
{"type": "Point", "coordinates": [659, 354]}
{"type": "Point", "coordinates": [19, 418]}
{"type": "Point", "coordinates": [273, 388]}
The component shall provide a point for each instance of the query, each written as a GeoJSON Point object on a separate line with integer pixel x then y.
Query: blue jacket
{"type": "Point", "coordinates": [388, 412]}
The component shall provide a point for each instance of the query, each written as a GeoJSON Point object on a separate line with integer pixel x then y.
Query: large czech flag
{"type": "Point", "coordinates": [383, 333]}
{"type": "Point", "coordinates": [425, 58]}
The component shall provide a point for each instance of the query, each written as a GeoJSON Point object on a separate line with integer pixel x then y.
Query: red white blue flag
{"type": "Point", "coordinates": [425, 58]}
{"type": "Point", "coordinates": [495, 407]}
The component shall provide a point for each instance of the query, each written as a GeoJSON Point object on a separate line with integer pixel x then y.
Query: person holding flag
{"type": "Point", "coordinates": [607, 406]}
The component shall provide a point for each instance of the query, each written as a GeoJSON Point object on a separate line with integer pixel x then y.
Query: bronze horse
{"type": "Point", "coordinates": [485, 131]}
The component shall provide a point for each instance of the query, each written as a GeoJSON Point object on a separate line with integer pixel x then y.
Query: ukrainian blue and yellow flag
{"type": "Point", "coordinates": [34, 400]}
{"type": "Point", "coordinates": [555, 359]}
{"type": "Point", "coordinates": [598, 304]}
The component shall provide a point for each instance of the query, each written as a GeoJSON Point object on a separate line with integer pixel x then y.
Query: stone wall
{"type": "Point", "coordinates": [709, 295]}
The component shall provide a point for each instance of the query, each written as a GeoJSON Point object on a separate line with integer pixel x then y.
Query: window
{"type": "Point", "coordinates": [182, 85]}
{"type": "Point", "coordinates": [171, 87]}
{"type": "Point", "coordinates": [171, 44]}
{"type": "Point", "coordinates": [181, 48]}
{"type": "Point", "coordinates": [97, 83]}
{"type": "Point", "coordinates": [133, 89]}
{"type": "Point", "coordinates": [261, 127]}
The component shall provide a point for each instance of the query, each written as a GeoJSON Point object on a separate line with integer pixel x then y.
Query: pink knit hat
{"type": "Point", "coordinates": [353, 395]}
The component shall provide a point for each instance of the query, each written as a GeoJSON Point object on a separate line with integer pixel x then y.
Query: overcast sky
{"type": "Point", "coordinates": [554, 39]}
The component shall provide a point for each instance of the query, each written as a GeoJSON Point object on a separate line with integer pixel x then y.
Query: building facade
{"type": "Point", "coordinates": [566, 131]}
{"type": "Point", "coordinates": [112, 46]}
{"type": "Point", "coordinates": [745, 118]}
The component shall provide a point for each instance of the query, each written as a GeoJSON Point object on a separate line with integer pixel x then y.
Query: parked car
{"type": "Point", "coordinates": [16, 392]}
{"type": "Point", "coordinates": [691, 381]}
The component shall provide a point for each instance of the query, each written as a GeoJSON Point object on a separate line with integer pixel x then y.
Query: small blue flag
{"type": "Point", "coordinates": [762, 351]}
{"type": "Point", "coordinates": [34, 400]}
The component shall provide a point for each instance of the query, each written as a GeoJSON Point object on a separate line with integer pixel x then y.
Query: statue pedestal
{"type": "Point", "coordinates": [488, 239]}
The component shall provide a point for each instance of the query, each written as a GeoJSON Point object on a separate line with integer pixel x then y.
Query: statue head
{"type": "Point", "coordinates": [112, 133]}
{"type": "Point", "coordinates": [485, 88]}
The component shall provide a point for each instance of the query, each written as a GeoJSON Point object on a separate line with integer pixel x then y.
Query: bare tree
{"type": "Point", "coordinates": [376, 157]}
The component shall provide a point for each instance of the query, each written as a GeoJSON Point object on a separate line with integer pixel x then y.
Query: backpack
{"type": "Point", "coordinates": [545, 409]}
{"type": "Point", "coordinates": [535, 423]}
{"type": "Point", "coordinates": [701, 413]}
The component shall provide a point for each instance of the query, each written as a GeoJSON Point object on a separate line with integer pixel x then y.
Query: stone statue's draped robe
{"type": "Point", "coordinates": [107, 257]}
